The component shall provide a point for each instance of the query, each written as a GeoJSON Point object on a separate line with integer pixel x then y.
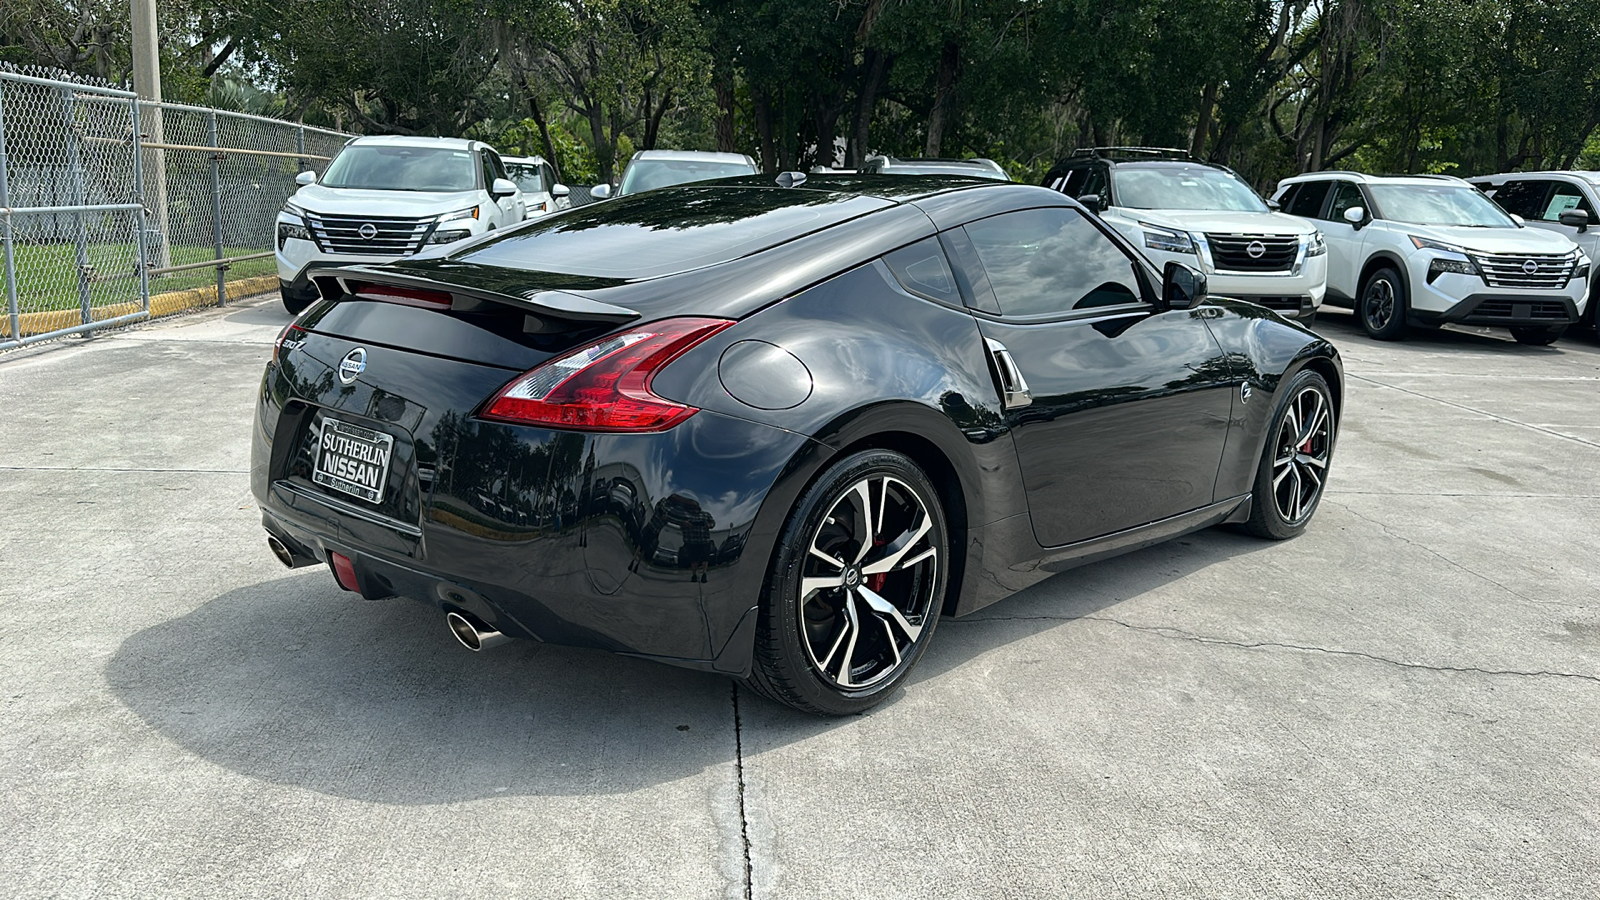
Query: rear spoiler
{"type": "Point", "coordinates": [546, 303]}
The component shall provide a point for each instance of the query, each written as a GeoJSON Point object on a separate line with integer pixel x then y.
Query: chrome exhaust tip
{"type": "Point", "coordinates": [472, 632]}
{"type": "Point", "coordinates": [284, 554]}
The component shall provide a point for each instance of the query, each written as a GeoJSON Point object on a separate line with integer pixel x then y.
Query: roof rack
{"type": "Point", "coordinates": [1133, 153]}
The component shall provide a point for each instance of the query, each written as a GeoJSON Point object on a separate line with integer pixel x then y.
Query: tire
{"type": "Point", "coordinates": [1294, 463]}
{"type": "Point", "coordinates": [1538, 335]}
{"type": "Point", "coordinates": [1382, 307]}
{"type": "Point", "coordinates": [294, 305]}
{"type": "Point", "coordinates": [839, 639]}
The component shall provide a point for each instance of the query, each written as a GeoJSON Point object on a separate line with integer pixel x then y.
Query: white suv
{"type": "Point", "coordinates": [1430, 249]}
{"type": "Point", "coordinates": [384, 198]}
{"type": "Point", "coordinates": [651, 169]}
{"type": "Point", "coordinates": [1178, 209]}
{"type": "Point", "coordinates": [541, 193]}
{"type": "Point", "coordinates": [1562, 202]}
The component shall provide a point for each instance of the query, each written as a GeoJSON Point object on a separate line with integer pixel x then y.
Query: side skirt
{"type": "Point", "coordinates": [989, 579]}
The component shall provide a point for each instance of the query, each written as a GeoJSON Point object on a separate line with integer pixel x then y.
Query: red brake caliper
{"type": "Point", "coordinates": [875, 582]}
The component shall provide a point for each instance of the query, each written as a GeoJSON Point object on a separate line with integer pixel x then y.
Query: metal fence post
{"type": "Point", "coordinates": [300, 148]}
{"type": "Point", "coordinates": [81, 225]}
{"type": "Point", "coordinates": [216, 201]}
{"type": "Point", "coordinates": [141, 245]}
{"type": "Point", "coordinates": [5, 203]}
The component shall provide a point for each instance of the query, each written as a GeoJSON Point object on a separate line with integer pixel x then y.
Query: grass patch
{"type": "Point", "coordinates": [47, 274]}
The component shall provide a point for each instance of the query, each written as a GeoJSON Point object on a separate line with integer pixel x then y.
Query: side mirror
{"type": "Point", "coordinates": [559, 190]}
{"type": "Point", "coordinates": [1095, 202]}
{"type": "Point", "coordinates": [502, 187]}
{"type": "Point", "coordinates": [1274, 205]}
{"type": "Point", "coordinates": [1356, 216]}
{"type": "Point", "coordinates": [1519, 220]}
{"type": "Point", "coordinates": [305, 178]}
{"type": "Point", "coordinates": [1182, 287]}
{"type": "Point", "coordinates": [1575, 218]}
{"type": "Point", "coordinates": [600, 192]}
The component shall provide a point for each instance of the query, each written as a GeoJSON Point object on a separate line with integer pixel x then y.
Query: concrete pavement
{"type": "Point", "coordinates": [1404, 702]}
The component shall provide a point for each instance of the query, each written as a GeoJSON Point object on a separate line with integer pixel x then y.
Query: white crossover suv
{"type": "Point", "coordinates": [651, 169]}
{"type": "Point", "coordinates": [541, 193]}
{"type": "Point", "coordinates": [1425, 250]}
{"type": "Point", "coordinates": [384, 198]}
{"type": "Point", "coordinates": [1178, 209]}
{"type": "Point", "coordinates": [1562, 202]}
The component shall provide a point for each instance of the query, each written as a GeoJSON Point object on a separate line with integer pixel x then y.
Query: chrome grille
{"type": "Point", "coordinates": [389, 236]}
{"type": "Point", "coordinates": [1548, 271]}
{"type": "Point", "coordinates": [1273, 252]}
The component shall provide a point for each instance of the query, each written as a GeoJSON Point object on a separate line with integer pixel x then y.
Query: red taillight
{"type": "Point", "coordinates": [402, 295]}
{"type": "Point", "coordinates": [291, 335]}
{"type": "Point", "coordinates": [344, 571]}
{"type": "Point", "coordinates": [606, 385]}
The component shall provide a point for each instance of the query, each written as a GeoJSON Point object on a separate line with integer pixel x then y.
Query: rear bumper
{"type": "Point", "coordinates": [653, 545]}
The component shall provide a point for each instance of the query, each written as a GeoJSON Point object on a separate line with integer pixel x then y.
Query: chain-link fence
{"type": "Point", "coordinates": [91, 235]}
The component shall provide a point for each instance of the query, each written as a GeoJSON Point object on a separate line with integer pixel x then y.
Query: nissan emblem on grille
{"type": "Point", "coordinates": [1256, 249]}
{"type": "Point", "coordinates": [1530, 267]}
{"type": "Point", "coordinates": [368, 231]}
{"type": "Point", "coordinates": [353, 364]}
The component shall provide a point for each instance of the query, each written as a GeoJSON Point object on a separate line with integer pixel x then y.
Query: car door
{"type": "Point", "coordinates": [1128, 406]}
{"type": "Point", "coordinates": [1562, 196]}
{"type": "Point", "coordinates": [1344, 240]}
{"type": "Point", "coordinates": [508, 210]}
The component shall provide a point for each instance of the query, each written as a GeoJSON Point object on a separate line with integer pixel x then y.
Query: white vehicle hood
{"type": "Point", "coordinates": [353, 202]}
{"type": "Point", "coordinates": [1492, 240]}
{"type": "Point", "coordinates": [1217, 221]}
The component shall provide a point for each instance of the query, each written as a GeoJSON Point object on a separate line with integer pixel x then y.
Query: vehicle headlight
{"type": "Point", "coordinates": [471, 213]}
{"type": "Point", "coordinates": [291, 209]}
{"type": "Point", "coordinates": [1316, 245]}
{"type": "Point", "coordinates": [448, 235]}
{"type": "Point", "coordinates": [292, 230]}
{"type": "Point", "coordinates": [1422, 243]}
{"type": "Point", "coordinates": [1158, 238]}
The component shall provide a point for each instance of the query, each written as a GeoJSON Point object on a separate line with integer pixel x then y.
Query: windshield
{"type": "Point", "coordinates": [1438, 204]}
{"type": "Point", "coordinates": [379, 168]}
{"type": "Point", "coordinates": [1184, 187]}
{"type": "Point", "coordinates": [526, 176]}
{"type": "Point", "coordinates": [649, 174]}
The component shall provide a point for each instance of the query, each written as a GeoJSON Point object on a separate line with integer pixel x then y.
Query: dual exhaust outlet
{"type": "Point", "coordinates": [472, 632]}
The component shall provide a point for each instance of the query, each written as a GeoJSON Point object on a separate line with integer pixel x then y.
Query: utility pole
{"type": "Point", "coordinates": [147, 84]}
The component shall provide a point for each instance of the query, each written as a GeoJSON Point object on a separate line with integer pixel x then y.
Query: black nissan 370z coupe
{"type": "Point", "coordinates": [776, 431]}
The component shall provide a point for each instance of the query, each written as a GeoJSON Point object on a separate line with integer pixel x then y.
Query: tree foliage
{"type": "Point", "coordinates": [1271, 87]}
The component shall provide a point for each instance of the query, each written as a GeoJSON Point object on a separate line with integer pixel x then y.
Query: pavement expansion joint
{"type": "Point", "coordinates": [1474, 410]}
{"type": "Point", "coordinates": [738, 765]}
{"type": "Point", "coordinates": [1179, 634]}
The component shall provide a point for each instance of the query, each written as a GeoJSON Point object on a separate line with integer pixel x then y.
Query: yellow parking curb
{"type": "Point", "coordinates": [160, 305]}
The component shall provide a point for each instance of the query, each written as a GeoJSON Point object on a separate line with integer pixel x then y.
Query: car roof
{"type": "Point", "coordinates": [693, 156]}
{"type": "Point", "coordinates": [398, 140]}
{"type": "Point", "coordinates": [1364, 178]}
{"type": "Point", "coordinates": [1580, 174]}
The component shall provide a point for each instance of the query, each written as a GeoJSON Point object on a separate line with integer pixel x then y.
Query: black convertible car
{"type": "Point", "coordinates": [775, 429]}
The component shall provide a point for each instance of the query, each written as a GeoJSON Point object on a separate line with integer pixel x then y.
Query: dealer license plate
{"type": "Point", "coordinates": [353, 460]}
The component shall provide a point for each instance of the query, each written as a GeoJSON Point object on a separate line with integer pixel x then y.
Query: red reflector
{"type": "Point", "coordinates": [344, 571]}
{"type": "Point", "coordinates": [291, 335]}
{"type": "Point", "coordinates": [402, 295]}
{"type": "Point", "coordinates": [606, 385]}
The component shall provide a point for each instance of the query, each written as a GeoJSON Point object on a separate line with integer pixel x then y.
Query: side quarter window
{"type": "Point", "coordinates": [922, 269]}
{"type": "Point", "coordinates": [1052, 261]}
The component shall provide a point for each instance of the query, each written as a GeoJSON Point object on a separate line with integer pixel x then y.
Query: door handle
{"type": "Point", "coordinates": [1013, 387]}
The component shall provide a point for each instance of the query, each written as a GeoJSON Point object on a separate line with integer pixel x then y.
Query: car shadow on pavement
{"type": "Point", "coordinates": [294, 682]}
{"type": "Point", "coordinates": [1341, 327]}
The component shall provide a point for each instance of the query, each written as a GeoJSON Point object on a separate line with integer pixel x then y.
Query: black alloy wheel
{"type": "Point", "coordinates": [856, 587]}
{"type": "Point", "coordinates": [1294, 464]}
{"type": "Point", "coordinates": [1382, 309]}
{"type": "Point", "coordinates": [1538, 335]}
